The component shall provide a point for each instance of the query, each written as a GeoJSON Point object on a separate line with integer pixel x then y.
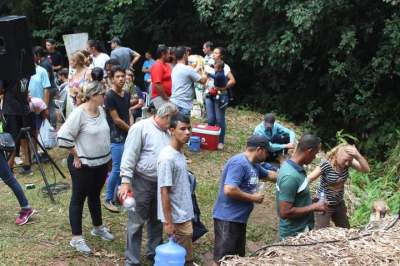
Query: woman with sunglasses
{"type": "Point", "coordinates": [87, 136]}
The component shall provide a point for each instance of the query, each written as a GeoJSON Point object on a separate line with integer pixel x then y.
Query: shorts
{"type": "Point", "coordinates": [230, 239]}
{"type": "Point", "coordinates": [14, 123]}
{"type": "Point", "coordinates": [183, 236]}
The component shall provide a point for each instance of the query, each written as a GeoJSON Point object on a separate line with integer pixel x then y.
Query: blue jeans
{"type": "Point", "coordinates": [184, 111]}
{"type": "Point", "coordinates": [216, 114]}
{"type": "Point", "coordinates": [114, 179]}
{"type": "Point", "coordinates": [9, 180]}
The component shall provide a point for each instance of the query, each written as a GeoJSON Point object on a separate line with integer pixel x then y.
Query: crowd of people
{"type": "Point", "coordinates": [114, 140]}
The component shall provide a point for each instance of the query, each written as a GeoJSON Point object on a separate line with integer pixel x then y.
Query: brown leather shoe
{"type": "Point", "coordinates": [110, 206]}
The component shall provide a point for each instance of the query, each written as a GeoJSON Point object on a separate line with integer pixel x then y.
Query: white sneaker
{"type": "Point", "coordinates": [103, 232]}
{"type": "Point", "coordinates": [80, 245]}
{"type": "Point", "coordinates": [18, 161]}
{"type": "Point", "coordinates": [220, 146]}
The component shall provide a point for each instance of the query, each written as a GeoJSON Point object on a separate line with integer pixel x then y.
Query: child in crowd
{"type": "Point", "coordinates": [40, 112]}
{"type": "Point", "coordinates": [220, 82]}
{"type": "Point", "coordinates": [148, 63]}
{"type": "Point", "coordinates": [107, 67]}
{"type": "Point", "coordinates": [219, 77]}
{"type": "Point", "coordinates": [39, 108]}
{"type": "Point", "coordinates": [137, 98]}
{"type": "Point", "coordinates": [97, 74]}
{"type": "Point", "coordinates": [61, 98]}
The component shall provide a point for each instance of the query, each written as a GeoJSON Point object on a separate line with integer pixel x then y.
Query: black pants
{"type": "Point", "coordinates": [86, 182]}
{"type": "Point", "coordinates": [230, 239]}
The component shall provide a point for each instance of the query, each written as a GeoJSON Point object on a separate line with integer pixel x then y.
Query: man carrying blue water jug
{"type": "Point", "coordinates": [239, 190]}
{"type": "Point", "coordinates": [143, 144]}
{"type": "Point", "coordinates": [175, 208]}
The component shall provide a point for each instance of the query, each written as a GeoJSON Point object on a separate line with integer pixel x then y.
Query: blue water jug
{"type": "Point", "coordinates": [194, 143]}
{"type": "Point", "coordinates": [170, 254]}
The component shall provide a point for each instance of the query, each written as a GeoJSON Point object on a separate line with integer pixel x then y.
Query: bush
{"type": "Point", "coordinates": [382, 183]}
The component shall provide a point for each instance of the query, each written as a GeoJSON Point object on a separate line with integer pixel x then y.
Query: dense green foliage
{"type": "Point", "coordinates": [332, 64]}
{"type": "Point", "coordinates": [382, 183]}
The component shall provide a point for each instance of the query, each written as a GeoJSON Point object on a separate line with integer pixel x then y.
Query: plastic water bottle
{"type": "Point", "coordinates": [128, 202]}
{"type": "Point", "coordinates": [170, 254]}
{"type": "Point", "coordinates": [322, 196]}
{"type": "Point", "coordinates": [322, 199]}
{"type": "Point", "coordinates": [260, 187]}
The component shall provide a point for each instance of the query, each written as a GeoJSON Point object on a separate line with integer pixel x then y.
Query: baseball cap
{"type": "Point", "coordinates": [255, 141]}
{"type": "Point", "coordinates": [51, 41]}
{"type": "Point", "coordinates": [117, 40]}
{"type": "Point", "coordinates": [269, 120]}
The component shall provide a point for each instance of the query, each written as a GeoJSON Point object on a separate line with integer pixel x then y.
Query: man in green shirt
{"type": "Point", "coordinates": [295, 207]}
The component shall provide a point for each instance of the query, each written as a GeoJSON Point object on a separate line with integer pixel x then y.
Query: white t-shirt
{"type": "Point", "coordinates": [172, 172]}
{"type": "Point", "coordinates": [100, 60]}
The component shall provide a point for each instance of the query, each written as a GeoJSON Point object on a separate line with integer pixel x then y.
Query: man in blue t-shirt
{"type": "Point", "coordinates": [238, 192]}
{"type": "Point", "coordinates": [147, 64]}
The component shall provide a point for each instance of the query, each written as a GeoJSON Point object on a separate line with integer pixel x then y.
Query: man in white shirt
{"type": "Point", "coordinates": [99, 58]}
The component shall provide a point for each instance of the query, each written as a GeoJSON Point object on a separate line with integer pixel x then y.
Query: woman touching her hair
{"type": "Point", "coordinates": [333, 174]}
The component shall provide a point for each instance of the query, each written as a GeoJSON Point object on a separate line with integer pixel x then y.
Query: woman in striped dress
{"type": "Point", "coordinates": [333, 174]}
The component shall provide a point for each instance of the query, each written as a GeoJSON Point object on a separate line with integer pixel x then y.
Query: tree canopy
{"type": "Point", "coordinates": [331, 63]}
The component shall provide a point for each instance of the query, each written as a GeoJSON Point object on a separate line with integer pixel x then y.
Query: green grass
{"type": "Point", "coordinates": [45, 240]}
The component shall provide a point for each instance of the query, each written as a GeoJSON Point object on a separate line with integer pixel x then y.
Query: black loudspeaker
{"type": "Point", "coordinates": [16, 57]}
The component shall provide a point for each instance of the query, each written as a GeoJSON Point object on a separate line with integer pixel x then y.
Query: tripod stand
{"type": "Point", "coordinates": [25, 131]}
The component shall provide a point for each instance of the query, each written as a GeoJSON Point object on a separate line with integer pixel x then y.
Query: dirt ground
{"type": "Point", "coordinates": [45, 240]}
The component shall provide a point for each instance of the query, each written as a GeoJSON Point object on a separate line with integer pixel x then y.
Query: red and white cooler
{"type": "Point", "coordinates": [209, 136]}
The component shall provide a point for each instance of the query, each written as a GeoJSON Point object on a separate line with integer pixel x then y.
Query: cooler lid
{"type": "Point", "coordinates": [206, 129]}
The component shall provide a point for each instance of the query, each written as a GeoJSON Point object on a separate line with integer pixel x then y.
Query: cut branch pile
{"type": "Point", "coordinates": [376, 244]}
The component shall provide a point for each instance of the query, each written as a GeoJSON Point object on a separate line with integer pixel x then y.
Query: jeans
{"type": "Point", "coordinates": [184, 111]}
{"type": "Point", "coordinates": [147, 87]}
{"type": "Point", "coordinates": [86, 182]}
{"type": "Point", "coordinates": [216, 114]}
{"type": "Point", "coordinates": [280, 139]}
{"type": "Point", "coordinates": [114, 179]}
{"type": "Point", "coordinates": [145, 193]}
{"type": "Point", "coordinates": [7, 176]}
{"type": "Point", "coordinates": [337, 213]}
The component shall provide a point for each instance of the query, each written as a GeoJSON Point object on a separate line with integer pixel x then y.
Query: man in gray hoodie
{"type": "Point", "coordinates": [143, 144]}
